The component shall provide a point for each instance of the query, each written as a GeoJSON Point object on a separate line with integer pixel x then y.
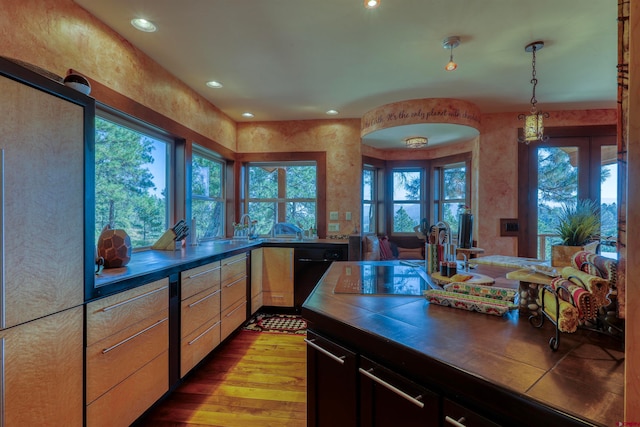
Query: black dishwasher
{"type": "Point", "coordinates": [310, 264]}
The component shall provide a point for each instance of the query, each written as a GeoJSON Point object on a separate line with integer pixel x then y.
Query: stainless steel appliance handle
{"type": "Point", "coordinates": [314, 260]}
{"type": "Point", "coordinates": [394, 389]}
{"type": "Point", "coordinates": [339, 359]}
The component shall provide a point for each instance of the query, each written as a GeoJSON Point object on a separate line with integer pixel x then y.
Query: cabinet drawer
{"type": "Point", "coordinates": [200, 278]}
{"type": "Point", "coordinates": [233, 268]}
{"type": "Point", "coordinates": [233, 317]}
{"type": "Point", "coordinates": [199, 309]}
{"type": "Point", "coordinates": [256, 303]}
{"type": "Point", "coordinates": [195, 346]}
{"type": "Point", "coordinates": [112, 314]}
{"type": "Point", "coordinates": [116, 357]}
{"type": "Point", "coordinates": [455, 415]}
{"type": "Point", "coordinates": [277, 299]}
{"type": "Point", "coordinates": [233, 291]}
{"type": "Point", "coordinates": [124, 403]}
{"type": "Point", "coordinates": [389, 399]}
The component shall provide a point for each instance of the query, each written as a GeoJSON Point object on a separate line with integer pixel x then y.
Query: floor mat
{"type": "Point", "coordinates": [277, 323]}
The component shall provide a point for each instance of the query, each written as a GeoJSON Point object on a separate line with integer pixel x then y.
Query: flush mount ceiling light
{"type": "Point", "coordinates": [371, 4]}
{"type": "Point", "coordinates": [248, 115]}
{"type": "Point", "coordinates": [451, 43]}
{"type": "Point", "coordinates": [214, 84]}
{"type": "Point", "coordinates": [332, 112]}
{"type": "Point", "coordinates": [533, 122]}
{"type": "Point", "coordinates": [416, 142]}
{"type": "Point", "coordinates": [143, 25]}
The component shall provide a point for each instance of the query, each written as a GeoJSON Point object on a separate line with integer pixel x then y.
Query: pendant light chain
{"type": "Point", "coordinates": [534, 81]}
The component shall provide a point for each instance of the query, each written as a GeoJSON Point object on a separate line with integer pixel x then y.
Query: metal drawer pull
{"type": "Point", "coordinates": [339, 359]}
{"type": "Point", "coordinates": [414, 400]}
{"type": "Point", "coordinates": [203, 299]}
{"type": "Point", "coordinates": [137, 334]}
{"type": "Point", "coordinates": [204, 333]}
{"type": "Point", "coordinates": [236, 309]}
{"type": "Point", "coordinates": [203, 272]}
{"type": "Point", "coordinates": [121, 303]}
{"type": "Point", "coordinates": [455, 423]}
{"type": "Point", "coordinates": [244, 259]}
{"type": "Point", "coordinates": [235, 281]}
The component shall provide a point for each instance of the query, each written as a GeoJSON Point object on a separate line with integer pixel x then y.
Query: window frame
{"type": "Point", "coordinates": [423, 199]}
{"type": "Point", "coordinates": [202, 152]}
{"type": "Point", "coordinates": [127, 121]}
{"type": "Point", "coordinates": [438, 167]}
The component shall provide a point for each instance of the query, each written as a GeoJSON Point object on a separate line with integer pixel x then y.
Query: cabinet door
{"type": "Point", "coordinates": [277, 277]}
{"type": "Point", "coordinates": [388, 399]}
{"type": "Point", "coordinates": [332, 399]}
{"type": "Point", "coordinates": [42, 174]}
{"type": "Point", "coordinates": [256, 279]}
{"type": "Point", "coordinates": [42, 366]}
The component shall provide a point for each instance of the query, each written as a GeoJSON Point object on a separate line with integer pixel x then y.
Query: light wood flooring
{"type": "Point", "coordinates": [255, 379]}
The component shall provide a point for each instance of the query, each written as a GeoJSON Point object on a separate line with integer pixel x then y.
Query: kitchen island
{"type": "Point", "coordinates": [452, 363]}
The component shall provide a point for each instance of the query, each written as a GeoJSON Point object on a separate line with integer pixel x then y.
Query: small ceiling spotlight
{"type": "Point", "coordinates": [416, 142]}
{"type": "Point", "coordinates": [451, 43]}
{"type": "Point", "coordinates": [371, 4]}
{"type": "Point", "coordinates": [143, 25]}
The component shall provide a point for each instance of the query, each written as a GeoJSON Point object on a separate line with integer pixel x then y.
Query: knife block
{"type": "Point", "coordinates": [166, 242]}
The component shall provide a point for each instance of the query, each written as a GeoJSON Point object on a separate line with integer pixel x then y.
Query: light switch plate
{"type": "Point", "coordinates": [333, 216]}
{"type": "Point", "coordinates": [334, 226]}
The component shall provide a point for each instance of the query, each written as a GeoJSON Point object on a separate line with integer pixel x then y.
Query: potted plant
{"type": "Point", "coordinates": [579, 228]}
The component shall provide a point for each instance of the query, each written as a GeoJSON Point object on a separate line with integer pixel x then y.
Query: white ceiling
{"type": "Point", "coordinates": [296, 59]}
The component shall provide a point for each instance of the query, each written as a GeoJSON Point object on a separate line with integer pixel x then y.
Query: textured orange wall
{"type": "Point", "coordinates": [57, 35]}
{"type": "Point", "coordinates": [341, 141]}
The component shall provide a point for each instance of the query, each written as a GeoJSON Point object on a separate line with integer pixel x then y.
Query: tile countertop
{"type": "Point", "coordinates": [152, 261]}
{"type": "Point", "coordinates": [585, 377]}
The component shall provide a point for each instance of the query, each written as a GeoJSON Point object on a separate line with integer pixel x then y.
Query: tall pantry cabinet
{"type": "Point", "coordinates": [46, 133]}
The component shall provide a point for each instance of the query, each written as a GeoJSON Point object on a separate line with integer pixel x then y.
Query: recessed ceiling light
{"type": "Point", "coordinates": [371, 4]}
{"type": "Point", "coordinates": [214, 84]}
{"type": "Point", "coordinates": [143, 25]}
{"type": "Point", "coordinates": [332, 112]}
{"type": "Point", "coordinates": [247, 115]}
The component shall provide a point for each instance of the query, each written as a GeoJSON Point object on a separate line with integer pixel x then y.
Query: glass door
{"type": "Point", "coordinates": [561, 171]}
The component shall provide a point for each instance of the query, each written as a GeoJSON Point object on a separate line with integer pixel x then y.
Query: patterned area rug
{"type": "Point", "coordinates": [277, 323]}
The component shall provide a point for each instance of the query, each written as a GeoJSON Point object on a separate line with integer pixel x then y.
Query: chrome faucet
{"type": "Point", "coordinates": [247, 218]}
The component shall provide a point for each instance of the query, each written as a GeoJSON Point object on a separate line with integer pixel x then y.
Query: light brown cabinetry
{"type": "Point", "coordinates": [277, 277]}
{"type": "Point", "coordinates": [127, 354]}
{"type": "Point", "coordinates": [42, 371]}
{"type": "Point", "coordinates": [200, 314]}
{"type": "Point", "coordinates": [256, 279]}
{"type": "Point", "coordinates": [233, 298]}
{"type": "Point", "coordinates": [42, 249]}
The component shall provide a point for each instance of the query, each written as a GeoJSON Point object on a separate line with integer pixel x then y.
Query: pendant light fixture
{"type": "Point", "coordinates": [450, 43]}
{"type": "Point", "coordinates": [534, 121]}
{"type": "Point", "coordinates": [416, 142]}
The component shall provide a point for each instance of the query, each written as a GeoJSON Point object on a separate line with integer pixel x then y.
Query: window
{"type": "Point", "coordinates": [131, 178]}
{"type": "Point", "coordinates": [282, 192]}
{"type": "Point", "coordinates": [207, 194]}
{"type": "Point", "coordinates": [451, 183]}
{"type": "Point", "coordinates": [408, 205]}
{"type": "Point", "coordinates": [369, 201]}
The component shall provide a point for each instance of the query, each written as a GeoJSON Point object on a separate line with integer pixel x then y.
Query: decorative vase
{"type": "Point", "coordinates": [114, 246]}
{"type": "Point", "coordinates": [77, 82]}
{"type": "Point", "coordinates": [561, 255]}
